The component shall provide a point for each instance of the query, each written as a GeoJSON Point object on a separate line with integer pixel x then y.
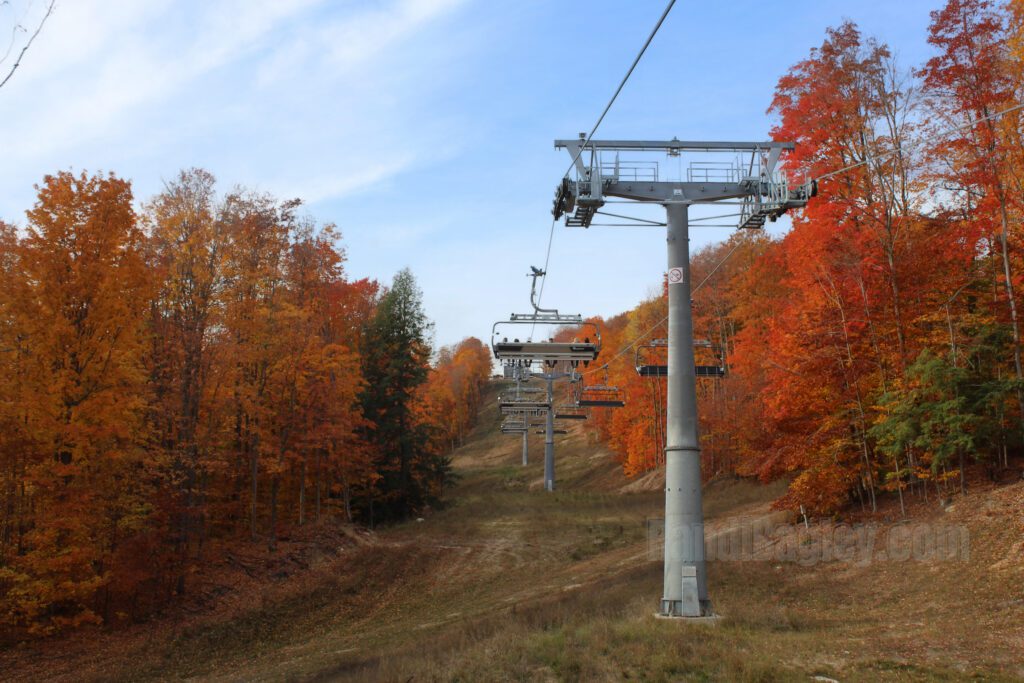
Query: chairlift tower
{"type": "Point", "coordinates": [522, 351]}
{"type": "Point", "coordinates": [520, 372]}
{"type": "Point", "coordinates": [549, 426]}
{"type": "Point", "coordinates": [748, 178]}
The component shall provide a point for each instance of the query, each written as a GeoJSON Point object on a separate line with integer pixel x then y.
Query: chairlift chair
{"type": "Point", "coordinates": [518, 370]}
{"type": "Point", "coordinates": [546, 351]}
{"type": "Point", "coordinates": [645, 368]}
{"type": "Point", "coordinates": [526, 414]}
{"type": "Point", "coordinates": [570, 412]}
{"type": "Point", "coordinates": [515, 425]}
{"type": "Point", "coordinates": [599, 396]}
{"type": "Point", "coordinates": [515, 430]}
{"type": "Point", "coordinates": [522, 394]}
{"type": "Point", "coordinates": [511, 406]}
{"type": "Point", "coordinates": [523, 390]}
{"type": "Point", "coordinates": [510, 345]}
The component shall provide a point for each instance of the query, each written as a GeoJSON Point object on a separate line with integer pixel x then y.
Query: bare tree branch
{"type": "Point", "coordinates": [15, 27]}
{"type": "Point", "coordinates": [17, 63]}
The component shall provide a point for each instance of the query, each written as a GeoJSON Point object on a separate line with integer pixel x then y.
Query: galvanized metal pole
{"type": "Point", "coordinates": [526, 434]}
{"type": "Point", "coordinates": [684, 519]}
{"type": "Point", "coordinates": [549, 440]}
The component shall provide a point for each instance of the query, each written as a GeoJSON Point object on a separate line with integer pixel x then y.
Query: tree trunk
{"type": "Point", "coordinates": [274, 484]}
{"type": "Point", "coordinates": [963, 463]}
{"type": "Point", "coordinates": [302, 492]}
{"type": "Point", "coordinates": [899, 485]}
{"type": "Point", "coordinates": [862, 418]}
{"type": "Point", "coordinates": [348, 503]}
{"type": "Point", "coordinates": [897, 314]}
{"type": "Point", "coordinates": [319, 456]}
{"type": "Point", "coordinates": [868, 468]}
{"type": "Point", "coordinates": [253, 474]}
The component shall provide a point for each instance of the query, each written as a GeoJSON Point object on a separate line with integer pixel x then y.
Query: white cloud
{"type": "Point", "coordinates": [103, 59]}
{"type": "Point", "coordinates": [316, 189]}
{"type": "Point", "coordinates": [302, 96]}
{"type": "Point", "coordinates": [354, 41]}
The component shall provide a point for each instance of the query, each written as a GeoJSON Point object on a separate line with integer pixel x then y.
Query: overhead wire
{"type": "Point", "coordinates": [658, 324]}
{"type": "Point", "coordinates": [641, 221]}
{"type": "Point", "coordinates": [899, 148]}
{"type": "Point", "coordinates": [654, 31]}
{"type": "Point", "coordinates": [615, 95]}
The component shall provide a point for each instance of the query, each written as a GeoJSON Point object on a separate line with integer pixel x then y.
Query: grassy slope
{"type": "Point", "coordinates": [515, 584]}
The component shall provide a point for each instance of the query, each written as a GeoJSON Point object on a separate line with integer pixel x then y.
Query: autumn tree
{"type": "Point", "coordinates": [18, 447]}
{"type": "Point", "coordinates": [193, 379]}
{"type": "Point", "coordinates": [968, 82]}
{"type": "Point", "coordinates": [81, 333]}
{"type": "Point", "coordinates": [316, 377]}
{"type": "Point", "coordinates": [449, 401]}
{"type": "Point", "coordinates": [186, 247]}
{"type": "Point", "coordinates": [855, 275]}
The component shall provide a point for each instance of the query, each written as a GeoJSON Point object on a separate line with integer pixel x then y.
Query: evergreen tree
{"type": "Point", "coordinates": [396, 353]}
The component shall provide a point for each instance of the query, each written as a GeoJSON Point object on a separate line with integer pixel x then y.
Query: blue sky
{"type": "Point", "coordinates": [422, 128]}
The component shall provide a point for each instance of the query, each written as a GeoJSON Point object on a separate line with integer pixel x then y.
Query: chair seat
{"type": "Point", "coordinates": [542, 351]}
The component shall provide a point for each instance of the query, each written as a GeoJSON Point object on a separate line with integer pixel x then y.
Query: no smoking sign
{"type": "Point", "coordinates": [675, 276]}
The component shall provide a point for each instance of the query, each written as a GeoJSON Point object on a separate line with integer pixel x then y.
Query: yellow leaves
{"type": "Point", "coordinates": [80, 318]}
{"type": "Point", "coordinates": [158, 384]}
{"type": "Point", "coordinates": [449, 400]}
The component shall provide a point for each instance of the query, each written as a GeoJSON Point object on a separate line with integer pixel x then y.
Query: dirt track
{"type": "Point", "coordinates": [512, 583]}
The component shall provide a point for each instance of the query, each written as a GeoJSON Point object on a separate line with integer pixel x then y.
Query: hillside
{"type": "Point", "coordinates": [510, 583]}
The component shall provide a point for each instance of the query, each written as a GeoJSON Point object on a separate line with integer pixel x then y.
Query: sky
{"type": "Point", "coordinates": [422, 128]}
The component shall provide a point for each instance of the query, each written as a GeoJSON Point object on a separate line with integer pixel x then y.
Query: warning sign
{"type": "Point", "coordinates": [675, 276]}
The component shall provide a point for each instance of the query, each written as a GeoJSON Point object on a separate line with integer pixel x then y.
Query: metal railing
{"type": "Point", "coordinates": [713, 172]}
{"type": "Point", "coordinates": [636, 171]}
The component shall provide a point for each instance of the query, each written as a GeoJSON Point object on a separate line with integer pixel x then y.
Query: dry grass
{"type": "Point", "coordinates": [510, 583]}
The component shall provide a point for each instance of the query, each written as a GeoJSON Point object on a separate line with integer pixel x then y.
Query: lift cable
{"type": "Point", "coordinates": [640, 221]}
{"type": "Point", "coordinates": [625, 78]}
{"type": "Point", "coordinates": [551, 235]}
{"type": "Point", "coordinates": [658, 324]}
{"type": "Point", "coordinates": [899, 148]}
{"type": "Point", "coordinates": [547, 259]}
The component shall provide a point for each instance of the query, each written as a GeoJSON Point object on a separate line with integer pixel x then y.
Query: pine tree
{"type": "Point", "coordinates": [396, 353]}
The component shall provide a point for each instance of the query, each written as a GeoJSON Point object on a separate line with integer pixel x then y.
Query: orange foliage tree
{"type": "Point", "coordinates": [84, 495]}
{"type": "Point", "coordinates": [184, 379]}
{"type": "Point", "coordinates": [894, 290]}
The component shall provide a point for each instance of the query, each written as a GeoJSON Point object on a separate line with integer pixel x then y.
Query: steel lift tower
{"type": "Point", "coordinates": [546, 322]}
{"type": "Point", "coordinates": [519, 372]}
{"type": "Point", "coordinates": [748, 178]}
